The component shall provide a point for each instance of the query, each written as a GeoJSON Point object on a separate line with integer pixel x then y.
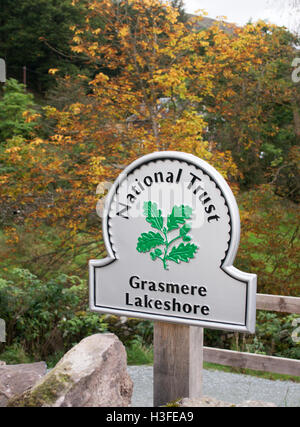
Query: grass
{"type": "Point", "coordinates": [139, 354]}
{"type": "Point", "coordinates": [15, 355]}
{"type": "Point", "coordinates": [265, 375]}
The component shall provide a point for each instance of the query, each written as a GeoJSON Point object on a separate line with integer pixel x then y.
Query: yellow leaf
{"type": "Point", "coordinates": [53, 71]}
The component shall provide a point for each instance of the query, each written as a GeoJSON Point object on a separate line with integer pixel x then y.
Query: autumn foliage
{"type": "Point", "coordinates": [157, 83]}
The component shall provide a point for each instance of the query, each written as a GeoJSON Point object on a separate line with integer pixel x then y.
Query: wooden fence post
{"type": "Point", "coordinates": [178, 362]}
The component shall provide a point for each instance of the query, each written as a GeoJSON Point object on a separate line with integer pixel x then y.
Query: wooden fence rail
{"type": "Point", "coordinates": [259, 362]}
{"type": "Point", "coordinates": [278, 303]}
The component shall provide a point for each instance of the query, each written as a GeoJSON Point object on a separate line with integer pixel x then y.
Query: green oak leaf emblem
{"type": "Point", "coordinates": [160, 244]}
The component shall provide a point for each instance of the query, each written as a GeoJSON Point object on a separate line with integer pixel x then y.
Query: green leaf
{"type": "Point", "coordinates": [183, 232]}
{"type": "Point", "coordinates": [148, 241]}
{"type": "Point", "coordinates": [178, 216]}
{"type": "Point", "coordinates": [182, 253]}
{"type": "Point", "coordinates": [185, 229]}
{"type": "Point", "coordinates": [153, 215]}
{"type": "Point", "coordinates": [157, 253]}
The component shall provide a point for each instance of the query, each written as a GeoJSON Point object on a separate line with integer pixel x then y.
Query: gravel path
{"type": "Point", "coordinates": [233, 388]}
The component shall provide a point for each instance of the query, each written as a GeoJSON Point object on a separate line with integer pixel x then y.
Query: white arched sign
{"type": "Point", "coordinates": [171, 228]}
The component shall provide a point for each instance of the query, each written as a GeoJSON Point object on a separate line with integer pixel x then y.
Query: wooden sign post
{"type": "Point", "coordinates": [178, 361]}
{"type": "Point", "coordinates": [171, 229]}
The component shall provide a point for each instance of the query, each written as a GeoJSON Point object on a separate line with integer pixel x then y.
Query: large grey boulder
{"type": "Point", "coordinates": [93, 373]}
{"type": "Point", "coordinates": [15, 379]}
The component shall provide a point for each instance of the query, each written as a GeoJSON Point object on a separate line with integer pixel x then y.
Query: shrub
{"type": "Point", "coordinates": [17, 115]}
{"type": "Point", "coordinates": [128, 330]}
{"type": "Point", "coordinates": [273, 337]}
{"type": "Point", "coordinates": [270, 241]}
{"type": "Point", "coordinates": [15, 354]}
{"type": "Point", "coordinates": [46, 317]}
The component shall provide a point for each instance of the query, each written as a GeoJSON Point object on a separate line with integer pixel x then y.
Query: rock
{"type": "Point", "coordinates": [206, 402]}
{"type": "Point", "coordinates": [93, 373]}
{"type": "Point", "coordinates": [15, 379]}
{"type": "Point", "coordinates": [2, 363]}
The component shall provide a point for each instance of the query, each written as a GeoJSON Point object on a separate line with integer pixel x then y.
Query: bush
{"type": "Point", "coordinates": [270, 241]}
{"type": "Point", "coordinates": [45, 318]}
{"type": "Point", "coordinates": [128, 330]}
{"type": "Point", "coordinates": [273, 337]}
{"type": "Point", "coordinates": [274, 334]}
{"type": "Point", "coordinates": [17, 115]}
{"type": "Point", "coordinates": [15, 354]}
